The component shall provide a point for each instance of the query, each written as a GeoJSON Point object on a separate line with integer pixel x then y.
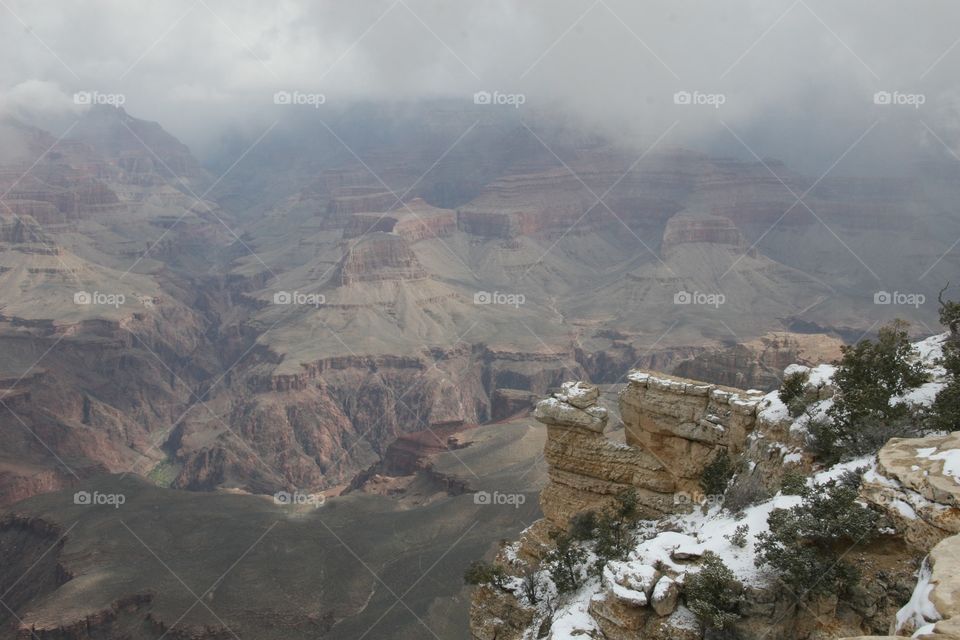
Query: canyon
{"type": "Point", "coordinates": [313, 323]}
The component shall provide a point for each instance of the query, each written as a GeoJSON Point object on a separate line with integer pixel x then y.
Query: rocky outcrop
{"type": "Point", "coordinates": [379, 256]}
{"type": "Point", "coordinates": [759, 363]}
{"type": "Point", "coordinates": [586, 469]}
{"type": "Point", "coordinates": [413, 222]}
{"type": "Point", "coordinates": [915, 484]}
{"type": "Point", "coordinates": [912, 485]}
{"type": "Point", "coordinates": [685, 423]}
{"type": "Point", "coordinates": [519, 205]}
{"type": "Point", "coordinates": [674, 427]}
{"type": "Point", "coordinates": [688, 227]}
{"type": "Point", "coordinates": [349, 200]}
{"type": "Point", "coordinates": [944, 562]}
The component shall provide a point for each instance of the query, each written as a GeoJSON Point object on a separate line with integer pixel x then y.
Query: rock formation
{"type": "Point", "coordinates": [379, 256]}
{"type": "Point", "coordinates": [672, 428]}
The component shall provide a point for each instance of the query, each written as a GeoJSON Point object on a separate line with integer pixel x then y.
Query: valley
{"type": "Point", "coordinates": [373, 326]}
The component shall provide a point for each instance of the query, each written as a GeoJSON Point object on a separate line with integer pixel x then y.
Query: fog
{"type": "Point", "coordinates": [795, 80]}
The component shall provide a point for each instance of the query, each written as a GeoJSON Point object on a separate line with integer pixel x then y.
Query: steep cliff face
{"type": "Point", "coordinates": [685, 422]}
{"type": "Point", "coordinates": [380, 256]}
{"type": "Point", "coordinates": [586, 469]}
{"type": "Point", "coordinates": [672, 428]}
{"type": "Point", "coordinates": [413, 221]}
{"type": "Point", "coordinates": [692, 228]}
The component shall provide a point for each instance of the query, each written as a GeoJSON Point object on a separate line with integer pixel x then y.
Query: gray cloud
{"type": "Point", "coordinates": [798, 78]}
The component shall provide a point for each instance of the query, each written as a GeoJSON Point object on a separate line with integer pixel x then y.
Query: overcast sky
{"type": "Point", "coordinates": [796, 78]}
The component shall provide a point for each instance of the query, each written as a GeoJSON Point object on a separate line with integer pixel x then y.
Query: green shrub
{"type": "Point", "coordinates": [796, 407]}
{"type": "Point", "coordinates": [583, 526]}
{"type": "Point", "coordinates": [481, 572]}
{"type": "Point", "coordinates": [717, 474]}
{"type": "Point", "coordinates": [792, 386]}
{"type": "Point", "coordinates": [565, 562]}
{"type": "Point", "coordinates": [615, 526]}
{"type": "Point", "coordinates": [739, 536]}
{"type": "Point", "coordinates": [806, 544]}
{"type": "Point", "coordinates": [945, 412]}
{"type": "Point", "coordinates": [713, 594]}
{"type": "Point", "coordinates": [868, 375]}
{"type": "Point", "coordinates": [793, 483]}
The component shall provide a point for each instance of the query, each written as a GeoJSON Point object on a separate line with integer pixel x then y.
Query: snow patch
{"type": "Point", "coordinates": [919, 612]}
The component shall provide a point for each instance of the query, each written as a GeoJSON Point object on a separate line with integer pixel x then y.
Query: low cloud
{"type": "Point", "coordinates": [798, 78]}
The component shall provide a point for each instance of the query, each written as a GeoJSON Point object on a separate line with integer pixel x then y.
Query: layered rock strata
{"type": "Point", "coordinates": [674, 428]}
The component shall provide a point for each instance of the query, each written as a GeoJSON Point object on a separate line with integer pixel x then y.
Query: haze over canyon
{"type": "Point", "coordinates": [282, 286]}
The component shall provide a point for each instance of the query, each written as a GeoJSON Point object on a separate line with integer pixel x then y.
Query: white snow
{"type": "Point", "coordinates": [772, 409]}
{"type": "Point", "coordinates": [662, 588]}
{"type": "Point", "coordinates": [821, 375]}
{"type": "Point", "coordinates": [919, 611]}
{"type": "Point", "coordinates": [795, 368]}
{"type": "Point", "coordinates": [707, 533]}
{"type": "Point", "coordinates": [923, 395]}
{"type": "Point", "coordinates": [904, 509]}
{"type": "Point", "coordinates": [576, 391]}
{"type": "Point", "coordinates": [630, 581]}
{"type": "Point", "coordinates": [930, 351]}
{"type": "Point", "coordinates": [950, 457]}
{"type": "Point", "coordinates": [837, 470]}
{"type": "Point", "coordinates": [572, 621]}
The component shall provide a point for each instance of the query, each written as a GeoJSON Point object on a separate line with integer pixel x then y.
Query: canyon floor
{"type": "Point", "coordinates": [218, 564]}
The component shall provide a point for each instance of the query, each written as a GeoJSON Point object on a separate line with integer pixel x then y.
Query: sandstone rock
{"type": "Point", "coordinates": [690, 227]}
{"type": "Point", "coordinates": [630, 582]}
{"type": "Point", "coordinates": [944, 561]}
{"type": "Point", "coordinates": [909, 484]}
{"type": "Point", "coordinates": [586, 469]}
{"type": "Point", "coordinates": [379, 256]}
{"type": "Point", "coordinates": [665, 596]}
{"type": "Point", "coordinates": [554, 411]}
{"type": "Point", "coordinates": [685, 421]}
{"type": "Point", "coordinates": [579, 394]}
{"type": "Point", "coordinates": [495, 615]}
